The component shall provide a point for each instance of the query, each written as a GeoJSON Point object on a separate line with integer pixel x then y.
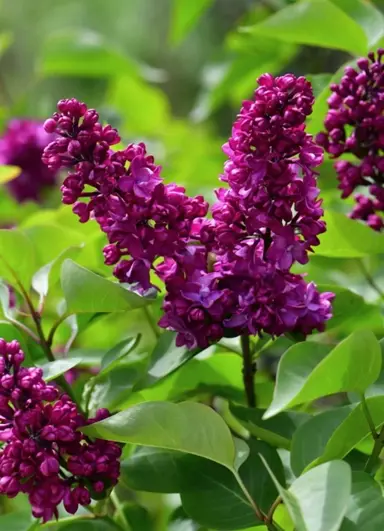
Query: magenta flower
{"type": "Point", "coordinates": [143, 218]}
{"type": "Point", "coordinates": [22, 145]}
{"type": "Point", "coordinates": [44, 455]}
{"type": "Point", "coordinates": [355, 126]}
{"type": "Point", "coordinates": [266, 220]}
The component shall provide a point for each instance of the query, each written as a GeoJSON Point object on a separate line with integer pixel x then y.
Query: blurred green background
{"type": "Point", "coordinates": [170, 72]}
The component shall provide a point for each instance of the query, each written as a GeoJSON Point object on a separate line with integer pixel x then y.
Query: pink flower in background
{"type": "Point", "coordinates": [22, 145]}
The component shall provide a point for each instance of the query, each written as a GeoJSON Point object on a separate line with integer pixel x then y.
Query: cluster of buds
{"type": "Point", "coordinates": [355, 126]}
{"type": "Point", "coordinates": [44, 454]}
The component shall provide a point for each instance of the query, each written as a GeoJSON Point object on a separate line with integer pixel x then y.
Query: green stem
{"type": "Point", "coordinates": [379, 443]}
{"type": "Point", "coordinates": [55, 327]}
{"type": "Point", "coordinates": [274, 439]}
{"type": "Point", "coordinates": [368, 416]}
{"type": "Point", "coordinates": [151, 322]}
{"type": "Point", "coordinates": [248, 371]}
{"type": "Point", "coordinates": [256, 509]}
{"type": "Point", "coordinates": [119, 510]}
{"type": "Point", "coordinates": [24, 328]}
{"type": "Point", "coordinates": [45, 346]}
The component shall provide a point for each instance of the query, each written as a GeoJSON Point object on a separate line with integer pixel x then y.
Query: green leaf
{"type": "Point", "coordinates": [60, 238]}
{"type": "Point", "coordinates": [118, 352]}
{"type": "Point", "coordinates": [349, 433]}
{"type": "Point", "coordinates": [185, 15]}
{"type": "Point", "coordinates": [86, 292]}
{"type": "Point", "coordinates": [17, 257]}
{"type": "Point", "coordinates": [214, 498]}
{"type": "Point", "coordinates": [219, 375]}
{"type": "Point", "coordinates": [167, 357]}
{"type": "Point", "coordinates": [348, 238]}
{"type": "Point", "coordinates": [279, 429]}
{"type": "Point", "coordinates": [49, 274]}
{"type": "Point", "coordinates": [6, 40]}
{"type": "Point", "coordinates": [55, 368]}
{"type": "Point", "coordinates": [314, 22]}
{"type": "Point", "coordinates": [138, 517]}
{"type": "Point", "coordinates": [17, 521]}
{"type": "Point", "coordinates": [89, 524]}
{"type": "Point", "coordinates": [114, 385]}
{"type": "Point", "coordinates": [153, 470]}
{"type": "Point", "coordinates": [348, 309]}
{"type": "Point", "coordinates": [187, 427]}
{"type": "Point", "coordinates": [318, 500]}
{"type": "Point", "coordinates": [365, 509]}
{"type": "Point", "coordinates": [144, 109]}
{"type": "Point", "coordinates": [306, 371]}
{"type": "Point", "coordinates": [366, 16]}
{"type": "Point", "coordinates": [8, 173]}
{"type": "Point", "coordinates": [311, 438]}
{"type": "Point", "coordinates": [83, 53]}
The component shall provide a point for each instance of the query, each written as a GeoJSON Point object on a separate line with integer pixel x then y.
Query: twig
{"type": "Point", "coordinates": [248, 371]}
{"type": "Point", "coordinates": [379, 442]}
{"type": "Point", "coordinates": [274, 506]}
{"type": "Point", "coordinates": [368, 277]}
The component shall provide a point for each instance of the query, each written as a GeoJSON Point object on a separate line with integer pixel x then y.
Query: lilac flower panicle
{"type": "Point", "coordinates": [22, 145]}
{"type": "Point", "coordinates": [354, 126]}
{"type": "Point", "coordinates": [266, 220]}
{"type": "Point", "coordinates": [143, 218]}
{"type": "Point", "coordinates": [44, 455]}
{"type": "Point", "coordinates": [224, 276]}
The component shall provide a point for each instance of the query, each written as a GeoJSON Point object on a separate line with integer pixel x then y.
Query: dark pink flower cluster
{"type": "Point", "coordinates": [224, 276]}
{"type": "Point", "coordinates": [266, 220]}
{"type": "Point", "coordinates": [44, 455]}
{"type": "Point", "coordinates": [22, 145]}
{"type": "Point", "coordinates": [355, 126]}
{"type": "Point", "coordinates": [143, 218]}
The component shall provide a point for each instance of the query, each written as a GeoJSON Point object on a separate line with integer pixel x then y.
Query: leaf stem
{"type": "Point", "coordinates": [258, 513]}
{"type": "Point", "coordinates": [151, 322]}
{"type": "Point", "coordinates": [55, 326]}
{"type": "Point", "coordinates": [24, 328]}
{"type": "Point", "coordinates": [369, 278]}
{"type": "Point", "coordinates": [273, 508]}
{"type": "Point", "coordinates": [368, 416]}
{"type": "Point", "coordinates": [379, 443]}
{"type": "Point", "coordinates": [274, 439]}
{"type": "Point", "coordinates": [69, 520]}
{"type": "Point", "coordinates": [249, 370]}
{"type": "Point", "coordinates": [45, 346]}
{"type": "Point", "coordinates": [119, 511]}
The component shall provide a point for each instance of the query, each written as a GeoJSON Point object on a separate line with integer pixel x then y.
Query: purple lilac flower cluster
{"type": "Point", "coordinates": [267, 219]}
{"type": "Point", "coordinates": [22, 145]}
{"type": "Point", "coordinates": [224, 276]}
{"type": "Point", "coordinates": [143, 218]}
{"type": "Point", "coordinates": [44, 455]}
{"type": "Point", "coordinates": [355, 126]}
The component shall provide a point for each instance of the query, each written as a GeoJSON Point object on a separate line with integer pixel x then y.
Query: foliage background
{"type": "Point", "coordinates": [173, 73]}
